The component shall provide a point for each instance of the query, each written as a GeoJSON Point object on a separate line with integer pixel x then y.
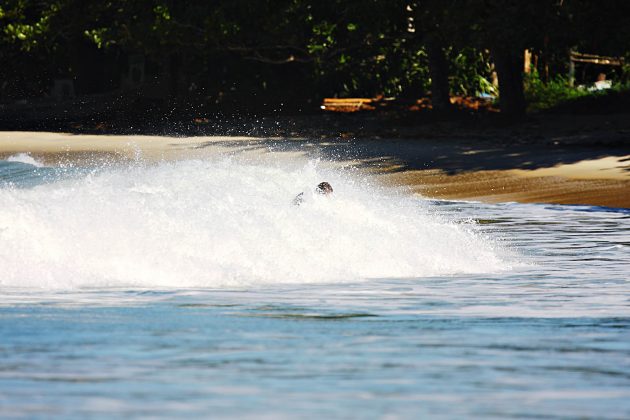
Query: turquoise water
{"type": "Point", "coordinates": [195, 288]}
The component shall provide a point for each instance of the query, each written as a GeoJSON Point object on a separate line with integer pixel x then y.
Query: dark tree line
{"type": "Point", "coordinates": [294, 51]}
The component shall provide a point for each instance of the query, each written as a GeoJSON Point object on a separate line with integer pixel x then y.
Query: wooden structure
{"type": "Point", "coordinates": [370, 104]}
{"type": "Point", "coordinates": [349, 104]}
{"type": "Point", "coordinates": [601, 60]}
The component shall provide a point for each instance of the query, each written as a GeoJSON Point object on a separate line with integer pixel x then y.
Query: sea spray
{"type": "Point", "coordinates": [26, 159]}
{"type": "Point", "coordinates": [225, 223]}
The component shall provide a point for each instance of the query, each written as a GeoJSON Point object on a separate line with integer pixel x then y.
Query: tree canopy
{"type": "Point", "coordinates": [239, 53]}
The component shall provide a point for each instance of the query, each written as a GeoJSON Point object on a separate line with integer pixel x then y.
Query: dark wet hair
{"type": "Point", "coordinates": [324, 188]}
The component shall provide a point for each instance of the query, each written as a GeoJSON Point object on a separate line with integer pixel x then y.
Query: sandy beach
{"type": "Point", "coordinates": [482, 170]}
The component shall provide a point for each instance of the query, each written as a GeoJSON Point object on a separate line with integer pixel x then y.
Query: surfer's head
{"type": "Point", "coordinates": [324, 188]}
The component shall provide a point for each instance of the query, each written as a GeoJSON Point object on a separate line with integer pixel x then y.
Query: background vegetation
{"type": "Point", "coordinates": [288, 54]}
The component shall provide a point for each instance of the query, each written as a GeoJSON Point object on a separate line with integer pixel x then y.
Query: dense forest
{"type": "Point", "coordinates": [289, 54]}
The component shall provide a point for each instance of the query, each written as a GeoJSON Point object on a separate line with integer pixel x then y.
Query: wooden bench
{"type": "Point", "coordinates": [349, 104]}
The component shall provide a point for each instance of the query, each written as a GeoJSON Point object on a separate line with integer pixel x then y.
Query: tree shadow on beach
{"type": "Point", "coordinates": [451, 156]}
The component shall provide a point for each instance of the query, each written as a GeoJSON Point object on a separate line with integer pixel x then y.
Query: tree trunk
{"type": "Point", "coordinates": [438, 71]}
{"type": "Point", "coordinates": [509, 67]}
{"type": "Point", "coordinates": [571, 69]}
{"type": "Point", "coordinates": [527, 64]}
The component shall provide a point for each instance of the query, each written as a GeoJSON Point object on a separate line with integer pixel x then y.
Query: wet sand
{"type": "Point", "coordinates": [514, 185]}
{"type": "Point", "coordinates": [482, 170]}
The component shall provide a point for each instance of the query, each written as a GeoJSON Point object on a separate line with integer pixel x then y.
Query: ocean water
{"type": "Point", "coordinates": [196, 288]}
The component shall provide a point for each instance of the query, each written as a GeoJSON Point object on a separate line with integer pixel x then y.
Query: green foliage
{"type": "Point", "coordinates": [23, 32]}
{"type": "Point", "coordinates": [540, 95]}
{"type": "Point", "coordinates": [470, 72]}
{"type": "Point", "coordinates": [101, 37]}
{"type": "Point", "coordinates": [304, 49]}
{"type": "Point", "coordinates": [322, 39]}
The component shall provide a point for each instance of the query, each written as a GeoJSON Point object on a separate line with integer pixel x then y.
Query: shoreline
{"type": "Point", "coordinates": [510, 186]}
{"type": "Point", "coordinates": [486, 170]}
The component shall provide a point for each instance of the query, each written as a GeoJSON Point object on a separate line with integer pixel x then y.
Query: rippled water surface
{"type": "Point", "coordinates": [196, 289]}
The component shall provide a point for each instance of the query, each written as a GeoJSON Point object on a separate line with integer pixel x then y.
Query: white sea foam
{"type": "Point", "coordinates": [218, 223]}
{"type": "Point", "coordinates": [25, 158]}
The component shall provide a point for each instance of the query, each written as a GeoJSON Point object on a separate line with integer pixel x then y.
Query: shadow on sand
{"type": "Point", "coordinates": [451, 156]}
